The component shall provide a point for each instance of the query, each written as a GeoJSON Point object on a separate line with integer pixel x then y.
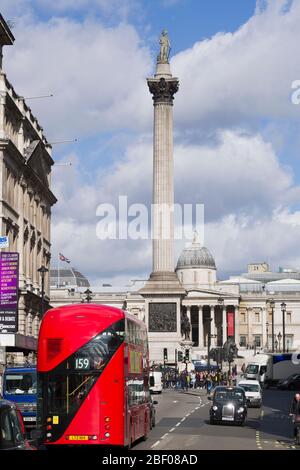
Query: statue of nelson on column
{"type": "Point", "coordinates": [165, 46]}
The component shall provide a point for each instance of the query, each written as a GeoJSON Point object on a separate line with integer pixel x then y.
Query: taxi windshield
{"type": "Point", "coordinates": [227, 395]}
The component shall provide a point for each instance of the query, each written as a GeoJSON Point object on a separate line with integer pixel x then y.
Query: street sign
{"type": "Point", "coordinates": [9, 284]}
{"type": "Point", "coordinates": [4, 243]}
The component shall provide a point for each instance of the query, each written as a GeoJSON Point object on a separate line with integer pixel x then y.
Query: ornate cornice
{"type": "Point", "coordinates": [163, 90]}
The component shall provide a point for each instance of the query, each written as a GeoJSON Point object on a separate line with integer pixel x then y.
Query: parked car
{"type": "Point", "coordinates": [253, 392]}
{"type": "Point", "coordinates": [12, 429]}
{"type": "Point", "coordinates": [229, 405]}
{"type": "Point", "coordinates": [290, 383]}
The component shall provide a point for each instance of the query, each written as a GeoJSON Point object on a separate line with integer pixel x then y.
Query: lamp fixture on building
{"type": "Point", "coordinates": [42, 270]}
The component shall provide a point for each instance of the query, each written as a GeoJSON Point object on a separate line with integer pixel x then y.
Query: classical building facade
{"type": "Point", "coordinates": [236, 307]}
{"type": "Point", "coordinates": [25, 204]}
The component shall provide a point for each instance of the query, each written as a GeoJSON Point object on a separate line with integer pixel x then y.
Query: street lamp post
{"type": "Point", "coordinates": [283, 309]}
{"type": "Point", "coordinates": [208, 340]}
{"type": "Point", "coordinates": [42, 270]}
{"type": "Point", "coordinates": [272, 305]}
{"type": "Point", "coordinates": [267, 345]}
{"type": "Point", "coordinates": [221, 305]}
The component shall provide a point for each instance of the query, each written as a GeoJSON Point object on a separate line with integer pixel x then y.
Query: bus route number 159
{"type": "Point", "coordinates": [82, 363]}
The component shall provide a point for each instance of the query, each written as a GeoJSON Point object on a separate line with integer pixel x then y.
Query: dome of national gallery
{"type": "Point", "coordinates": [196, 256]}
{"type": "Point", "coordinates": [196, 266]}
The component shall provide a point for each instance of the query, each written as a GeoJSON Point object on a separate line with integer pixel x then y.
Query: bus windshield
{"type": "Point", "coordinates": [71, 381]}
{"type": "Point", "coordinates": [20, 383]}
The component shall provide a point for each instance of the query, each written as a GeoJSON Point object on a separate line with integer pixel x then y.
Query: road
{"type": "Point", "coordinates": [182, 423]}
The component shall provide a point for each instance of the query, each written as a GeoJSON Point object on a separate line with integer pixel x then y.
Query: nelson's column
{"type": "Point", "coordinates": [163, 291]}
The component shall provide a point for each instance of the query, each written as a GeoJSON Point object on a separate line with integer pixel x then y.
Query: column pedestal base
{"type": "Point", "coordinates": [163, 282]}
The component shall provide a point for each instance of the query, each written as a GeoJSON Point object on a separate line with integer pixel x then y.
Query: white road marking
{"type": "Point", "coordinates": [165, 435]}
{"type": "Point", "coordinates": [171, 430]}
{"type": "Point", "coordinates": [154, 445]}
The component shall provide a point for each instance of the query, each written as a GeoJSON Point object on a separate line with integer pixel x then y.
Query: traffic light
{"type": "Point", "coordinates": [187, 355]}
{"type": "Point", "coordinates": [180, 356]}
{"type": "Point", "coordinates": [165, 354]}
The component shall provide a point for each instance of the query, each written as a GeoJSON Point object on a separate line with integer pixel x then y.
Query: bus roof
{"type": "Point", "coordinates": [68, 328]}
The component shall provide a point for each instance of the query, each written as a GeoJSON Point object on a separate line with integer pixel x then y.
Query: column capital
{"type": "Point", "coordinates": [163, 90]}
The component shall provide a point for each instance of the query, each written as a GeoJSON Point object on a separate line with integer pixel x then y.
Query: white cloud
{"type": "Point", "coordinates": [235, 242]}
{"type": "Point", "coordinates": [239, 179]}
{"type": "Point", "coordinates": [237, 77]}
{"type": "Point", "coordinates": [230, 81]}
{"type": "Point", "coordinates": [96, 74]}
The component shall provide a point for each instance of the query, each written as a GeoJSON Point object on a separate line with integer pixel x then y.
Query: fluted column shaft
{"type": "Point", "coordinates": [163, 91]}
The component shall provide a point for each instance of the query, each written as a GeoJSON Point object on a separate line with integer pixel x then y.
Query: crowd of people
{"type": "Point", "coordinates": [204, 380]}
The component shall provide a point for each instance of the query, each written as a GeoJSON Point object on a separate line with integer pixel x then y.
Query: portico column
{"type": "Point", "coordinates": [236, 324]}
{"type": "Point", "coordinates": [224, 324]}
{"type": "Point", "coordinates": [264, 327]}
{"type": "Point", "coordinates": [200, 319]}
{"type": "Point", "coordinates": [249, 313]}
{"type": "Point", "coordinates": [188, 312]}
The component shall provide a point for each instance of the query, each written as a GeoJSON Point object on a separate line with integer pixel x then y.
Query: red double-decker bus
{"type": "Point", "coordinates": [93, 376]}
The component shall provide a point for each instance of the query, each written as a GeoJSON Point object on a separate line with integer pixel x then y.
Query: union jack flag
{"type": "Point", "coordinates": [63, 258]}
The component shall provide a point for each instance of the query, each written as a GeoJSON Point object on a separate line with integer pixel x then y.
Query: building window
{"type": "Point", "coordinates": [289, 342]}
{"type": "Point", "coordinates": [270, 318]}
{"type": "Point", "coordinates": [257, 317]}
{"type": "Point", "coordinates": [243, 317]}
{"type": "Point", "coordinates": [257, 341]}
{"type": "Point", "coordinates": [289, 317]}
{"type": "Point", "coordinates": [209, 277]}
{"type": "Point", "coordinates": [243, 341]}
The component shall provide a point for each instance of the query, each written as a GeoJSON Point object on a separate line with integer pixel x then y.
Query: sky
{"type": "Point", "coordinates": [236, 127]}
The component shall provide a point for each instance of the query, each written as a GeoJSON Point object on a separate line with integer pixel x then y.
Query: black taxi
{"type": "Point", "coordinates": [229, 405]}
{"type": "Point", "coordinates": [12, 430]}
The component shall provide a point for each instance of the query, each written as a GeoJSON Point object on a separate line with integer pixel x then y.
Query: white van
{"type": "Point", "coordinates": [155, 381]}
{"type": "Point", "coordinates": [253, 392]}
{"type": "Point", "coordinates": [268, 369]}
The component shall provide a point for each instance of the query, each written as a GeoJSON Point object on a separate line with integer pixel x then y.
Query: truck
{"type": "Point", "coordinates": [268, 369]}
{"type": "Point", "coordinates": [20, 387]}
